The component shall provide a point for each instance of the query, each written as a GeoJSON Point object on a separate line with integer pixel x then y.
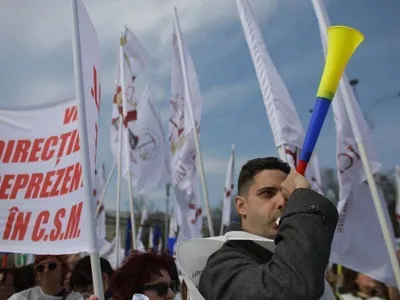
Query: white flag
{"type": "Point", "coordinates": [181, 140]}
{"type": "Point", "coordinates": [90, 56]}
{"type": "Point", "coordinates": [358, 243]}
{"type": "Point", "coordinates": [228, 190]}
{"type": "Point", "coordinates": [191, 214]}
{"type": "Point", "coordinates": [91, 77]}
{"type": "Point", "coordinates": [134, 63]}
{"type": "Point", "coordinates": [285, 123]}
{"type": "Point", "coordinates": [150, 159]}
{"type": "Point", "coordinates": [137, 56]}
{"type": "Point", "coordinates": [181, 132]}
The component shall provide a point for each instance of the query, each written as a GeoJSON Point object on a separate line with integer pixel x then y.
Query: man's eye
{"type": "Point", "coordinates": [268, 194]}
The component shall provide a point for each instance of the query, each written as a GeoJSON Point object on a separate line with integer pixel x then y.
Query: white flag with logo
{"type": "Point", "coordinates": [181, 139]}
{"type": "Point", "coordinates": [358, 243]}
{"type": "Point", "coordinates": [150, 159]}
{"type": "Point", "coordinates": [181, 131]}
{"type": "Point", "coordinates": [134, 63]}
{"type": "Point", "coordinates": [285, 123]}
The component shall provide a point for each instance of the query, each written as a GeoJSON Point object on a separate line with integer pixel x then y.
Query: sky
{"type": "Point", "coordinates": [36, 67]}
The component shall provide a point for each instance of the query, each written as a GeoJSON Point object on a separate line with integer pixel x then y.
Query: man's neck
{"type": "Point", "coordinates": [246, 227]}
{"type": "Point", "coordinates": [52, 290]}
{"type": "Point", "coordinates": [249, 229]}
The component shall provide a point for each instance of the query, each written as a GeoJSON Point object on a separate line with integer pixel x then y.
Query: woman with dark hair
{"type": "Point", "coordinates": [81, 279]}
{"type": "Point", "coordinates": [143, 273]}
{"type": "Point", "coordinates": [16, 280]}
{"type": "Point", "coordinates": [365, 287]}
{"type": "Point", "coordinates": [50, 272]}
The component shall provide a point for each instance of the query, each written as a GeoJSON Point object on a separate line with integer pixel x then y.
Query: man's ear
{"type": "Point", "coordinates": [241, 205]}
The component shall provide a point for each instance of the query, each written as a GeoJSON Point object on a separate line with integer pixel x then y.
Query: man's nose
{"type": "Point", "coordinates": [281, 201]}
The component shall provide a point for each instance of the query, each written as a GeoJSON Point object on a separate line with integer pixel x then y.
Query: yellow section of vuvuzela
{"type": "Point", "coordinates": [343, 41]}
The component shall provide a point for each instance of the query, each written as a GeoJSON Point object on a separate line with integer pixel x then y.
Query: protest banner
{"type": "Point", "coordinates": [41, 196]}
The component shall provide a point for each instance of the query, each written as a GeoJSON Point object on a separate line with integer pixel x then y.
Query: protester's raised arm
{"type": "Point", "coordinates": [295, 271]}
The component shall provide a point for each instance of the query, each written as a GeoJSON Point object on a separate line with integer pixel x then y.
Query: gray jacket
{"type": "Point", "coordinates": [243, 270]}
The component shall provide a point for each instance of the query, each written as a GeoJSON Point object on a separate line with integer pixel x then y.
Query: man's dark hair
{"type": "Point", "coordinates": [255, 166]}
{"type": "Point", "coordinates": [81, 275]}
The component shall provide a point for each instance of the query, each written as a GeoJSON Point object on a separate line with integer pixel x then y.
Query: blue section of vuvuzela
{"type": "Point", "coordinates": [320, 111]}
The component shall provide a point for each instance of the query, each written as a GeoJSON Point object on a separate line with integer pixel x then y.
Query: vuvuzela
{"type": "Point", "coordinates": [342, 43]}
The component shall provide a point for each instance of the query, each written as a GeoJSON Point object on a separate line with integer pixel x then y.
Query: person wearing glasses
{"type": "Point", "coordinates": [50, 272]}
{"type": "Point", "coordinates": [146, 274]}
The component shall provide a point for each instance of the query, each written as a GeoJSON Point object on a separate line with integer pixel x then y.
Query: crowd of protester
{"type": "Point", "coordinates": [69, 277]}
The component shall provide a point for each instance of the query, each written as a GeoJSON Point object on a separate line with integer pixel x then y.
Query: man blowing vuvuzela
{"type": "Point", "coordinates": [267, 191]}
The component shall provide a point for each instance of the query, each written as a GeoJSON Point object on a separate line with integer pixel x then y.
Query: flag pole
{"type": "Point", "coordinates": [85, 156]}
{"type": "Point", "coordinates": [126, 141]}
{"type": "Point", "coordinates": [167, 188]}
{"type": "Point", "coordinates": [221, 229]}
{"type": "Point", "coordinates": [119, 170]}
{"type": "Point", "coordinates": [104, 191]}
{"type": "Point", "coordinates": [231, 170]}
{"type": "Point", "coordinates": [118, 202]}
{"type": "Point", "coordinates": [188, 99]}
